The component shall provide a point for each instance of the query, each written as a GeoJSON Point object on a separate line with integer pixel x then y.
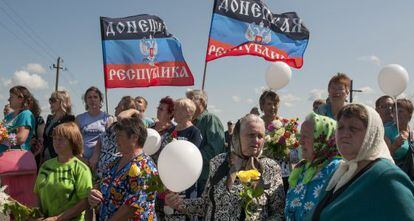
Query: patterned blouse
{"type": "Point", "coordinates": [228, 204]}
{"type": "Point", "coordinates": [120, 188]}
{"type": "Point", "coordinates": [109, 151]}
{"type": "Point", "coordinates": [301, 200]}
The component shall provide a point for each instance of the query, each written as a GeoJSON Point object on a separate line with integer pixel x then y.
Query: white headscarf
{"type": "Point", "coordinates": [373, 147]}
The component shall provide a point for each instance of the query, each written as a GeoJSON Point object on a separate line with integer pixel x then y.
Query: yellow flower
{"type": "Point", "coordinates": [134, 171]}
{"type": "Point", "coordinates": [246, 176]}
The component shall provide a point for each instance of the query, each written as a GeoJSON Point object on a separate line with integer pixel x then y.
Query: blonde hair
{"type": "Point", "coordinates": [64, 99]}
{"type": "Point", "coordinates": [71, 132]}
{"type": "Point", "coordinates": [187, 104]}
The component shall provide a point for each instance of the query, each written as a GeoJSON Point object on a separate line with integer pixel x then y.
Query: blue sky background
{"type": "Point", "coordinates": [354, 37]}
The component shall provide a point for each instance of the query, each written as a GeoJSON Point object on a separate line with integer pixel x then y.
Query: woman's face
{"type": "Point", "coordinates": [54, 104]}
{"type": "Point", "coordinates": [349, 136]}
{"type": "Point", "coordinates": [61, 145]}
{"type": "Point", "coordinates": [162, 113]}
{"type": "Point", "coordinates": [337, 92]}
{"type": "Point", "coordinates": [93, 101]}
{"type": "Point", "coordinates": [306, 140]}
{"type": "Point", "coordinates": [252, 138]}
{"type": "Point", "coordinates": [404, 117]}
{"type": "Point", "coordinates": [15, 101]}
{"type": "Point", "coordinates": [270, 107]}
{"type": "Point", "coordinates": [180, 114]}
{"type": "Point", "coordinates": [125, 143]}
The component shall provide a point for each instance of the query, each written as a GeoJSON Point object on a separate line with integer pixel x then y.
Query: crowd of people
{"type": "Point", "coordinates": [354, 160]}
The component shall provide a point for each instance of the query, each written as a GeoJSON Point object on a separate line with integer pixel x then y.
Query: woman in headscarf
{"type": "Point", "coordinates": [367, 185]}
{"type": "Point", "coordinates": [320, 160]}
{"type": "Point", "coordinates": [221, 198]}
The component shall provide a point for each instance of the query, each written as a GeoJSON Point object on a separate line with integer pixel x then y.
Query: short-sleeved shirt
{"type": "Point", "coordinates": [109, 151]}
{"type": "Point", "coordinates": [23, 119]}
{"type": "Point", "coordinates": [391, 132]}
{"type": "Point", "coordinates": [61, 186]}
{"type": "Point", "coordinates": [91, 128]}
{"type": "Point", "coordinates": [120, 188]}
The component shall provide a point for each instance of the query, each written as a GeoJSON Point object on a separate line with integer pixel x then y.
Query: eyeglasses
{"type": "Point", "coordinates": [386, 106]}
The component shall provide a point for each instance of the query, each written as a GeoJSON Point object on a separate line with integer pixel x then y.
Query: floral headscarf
{"type": "Point", "coordinates": [324, 148]}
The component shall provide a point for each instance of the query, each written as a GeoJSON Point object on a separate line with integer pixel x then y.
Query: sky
{"type": "Point", "coordinates": [354, 37]}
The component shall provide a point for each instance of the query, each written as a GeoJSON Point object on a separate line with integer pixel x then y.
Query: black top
{"type": "Point", "coordinates": [47, 135]}
{"type": "Point", "coordinates": [191, 134]}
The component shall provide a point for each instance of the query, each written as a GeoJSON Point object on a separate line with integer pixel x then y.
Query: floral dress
{"type": "Point", "coordinates": [222, 204]}
{"type": "Point", "coordinates": [129, 186]}
{"type": "Point", "coordinates": [302, 199]}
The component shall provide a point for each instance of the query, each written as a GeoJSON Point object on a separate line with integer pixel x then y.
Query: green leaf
{"type": "Point", "coordinates": [258, 191]}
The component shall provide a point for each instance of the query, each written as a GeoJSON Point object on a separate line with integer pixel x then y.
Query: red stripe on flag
{"type": "Point", "coordinates": [146, 75]}
{"type": "Point", "coordinates": [218, 49]}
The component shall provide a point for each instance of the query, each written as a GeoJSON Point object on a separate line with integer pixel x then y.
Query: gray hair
{"type": "Point", "coordinates": [199, 95]}
{"type": "Point", "coordinates": [240, 126]}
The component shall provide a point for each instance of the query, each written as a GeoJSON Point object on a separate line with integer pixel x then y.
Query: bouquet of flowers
{"type": "Point", "coordinates": [7, 138]}
{"type": "Point", "coordinates": [283, 136]}
{"type": "Point", "coordinates": [18, 210]}
{"type": "Point", "coordinates": [251, 189]}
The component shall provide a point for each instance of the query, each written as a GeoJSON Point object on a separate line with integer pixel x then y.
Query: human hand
{"type": "Point", "coordinates": [173, 200]}
{"type": "Point", "coordinates": [400, 140]}
{"type": "Point", "coordinates": [95, 198]}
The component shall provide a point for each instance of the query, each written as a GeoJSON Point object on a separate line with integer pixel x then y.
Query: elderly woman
{"type": "Point", "coordinates": [105, 150]}
{"type": "Point", "coordinates": [338, 90]}
{"type": "Point", "coordinates": [64, 182]}
{"type": "Point", "coordinates": [93, 122]}
{"type": "Point", "coordinates": [61, 109]}
{"type": "Point", "coordinates": [124, 192]}
{"type": "Point", "coordinates": [400, 137]}
{"type": "Point", "coordinates": [366, 185]}
{"type": "Point", "coordinates": [311, 174]}
{"type": "Point", "coordinates": [21, 121]}
{"type": "Point", "coordinates": [164, 125]}
{"type": "Point", "coordinates": [221, 198]}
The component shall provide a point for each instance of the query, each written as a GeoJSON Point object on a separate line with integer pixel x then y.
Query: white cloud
{"type": "Point", "coordinates": [289, 99]}
{"type": "Point", "coordinates": [249, 101]}
{"type": "Point", "coordinates": [32, 81]}
{"type": "Point", "coordinates": [236, 98]}
{"type": "Point", "coordinates": [372, 58]}
{"type": "Point", "coordinates": [367, 90]}
{"type": "Point", "coordinates": [316, 94]}
{"type": "Point", "coordinates": [214, 109]}
{"type": "Point", "coordinates": [35, 68]}
{"type": "Point", "coordinates": [73, 82]}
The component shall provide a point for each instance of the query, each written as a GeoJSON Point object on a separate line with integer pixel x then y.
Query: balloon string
{"type": "Point", "coordinates": [396, 114]}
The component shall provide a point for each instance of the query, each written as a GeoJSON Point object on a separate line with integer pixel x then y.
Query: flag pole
{"type": "Point", "coordinates": [106, 100]}
{"type": "Point", "coordinates": [208, 43]}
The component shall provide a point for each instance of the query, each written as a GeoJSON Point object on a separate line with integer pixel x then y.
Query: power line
{"type": "Point", "coordinates": [27, 34]}
{"type": "Point", "coordinates": [23, 41]}
{"type": "Point", "coordinates": [30, 28]}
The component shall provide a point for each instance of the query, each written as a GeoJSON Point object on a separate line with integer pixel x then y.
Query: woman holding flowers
{"type": "Point", "coordinates": [127, 190]}
{"type": "Point", "coordinates": [280, 133]}
{"type": "Point", "coordinates": [310, 175]}
{"type": "Point", "coordinates": [64, 182]}
{"type": "Point", "coordinates": [232, 176]}
{"type": "Point", "coordinates": [20, 123]}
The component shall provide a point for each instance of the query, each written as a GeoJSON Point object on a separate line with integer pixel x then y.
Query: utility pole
{"type": "Point", "coordinates": [352, 91]}
{"type": "Point", "coordinates": [58, 68]}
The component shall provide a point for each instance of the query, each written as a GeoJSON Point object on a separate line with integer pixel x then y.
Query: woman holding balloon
{"type": "Point", "coordinates": [233, 174]}
{"type": "Point", "coordinates": [126, 191]}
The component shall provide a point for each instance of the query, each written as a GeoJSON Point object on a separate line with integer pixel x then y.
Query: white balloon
{"type": "Point", "coordinates": [393, 79]}
{"type": "Point", "coordinates": [278, 75]}
{"type": "Point", "coordinates": [179, 165]}
{"type": "Point", "coordinates": [153, 142]}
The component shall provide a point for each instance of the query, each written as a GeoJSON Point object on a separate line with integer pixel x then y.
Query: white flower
{"type": "Point", "coordinates": [317, 191]}
{"type": "Point", "coordinates": [3, 198]}
{"type": "Point", "coordinates": [295, 203]}
{"type": "Point", "coordinates": [298, 188]}
{"type": "Point", "coordinates": [309, 205]}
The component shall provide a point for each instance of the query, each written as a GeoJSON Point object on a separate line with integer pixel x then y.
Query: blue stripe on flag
{"type": "Point", "coordinates": [232, 31]}
{"type": "Point", "coordinates": [128, 51]}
